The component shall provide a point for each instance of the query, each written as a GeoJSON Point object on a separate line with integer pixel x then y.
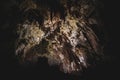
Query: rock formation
{"type": "Point", "coordinates": [60, 30]}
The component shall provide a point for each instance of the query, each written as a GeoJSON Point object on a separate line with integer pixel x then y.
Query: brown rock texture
{"type": "Point", "coordinates": [61, 31]}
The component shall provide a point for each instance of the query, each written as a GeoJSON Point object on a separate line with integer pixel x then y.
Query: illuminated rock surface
{"type": "Point", "coordinates": [61, 32]}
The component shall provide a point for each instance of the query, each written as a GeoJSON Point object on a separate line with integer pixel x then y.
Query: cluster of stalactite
{"type": "Point", "coordinates": [60, 30]}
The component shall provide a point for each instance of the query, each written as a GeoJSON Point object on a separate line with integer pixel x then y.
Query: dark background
{"type": "Point", "coordinates": [11, 69]}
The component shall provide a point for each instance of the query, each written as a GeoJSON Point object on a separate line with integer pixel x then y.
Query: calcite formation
{"type": "Point", "coordinates": [61, 33]}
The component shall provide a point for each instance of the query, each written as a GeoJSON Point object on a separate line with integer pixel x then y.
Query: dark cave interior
{"type": "Point", "coordinates": [10, 68]}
